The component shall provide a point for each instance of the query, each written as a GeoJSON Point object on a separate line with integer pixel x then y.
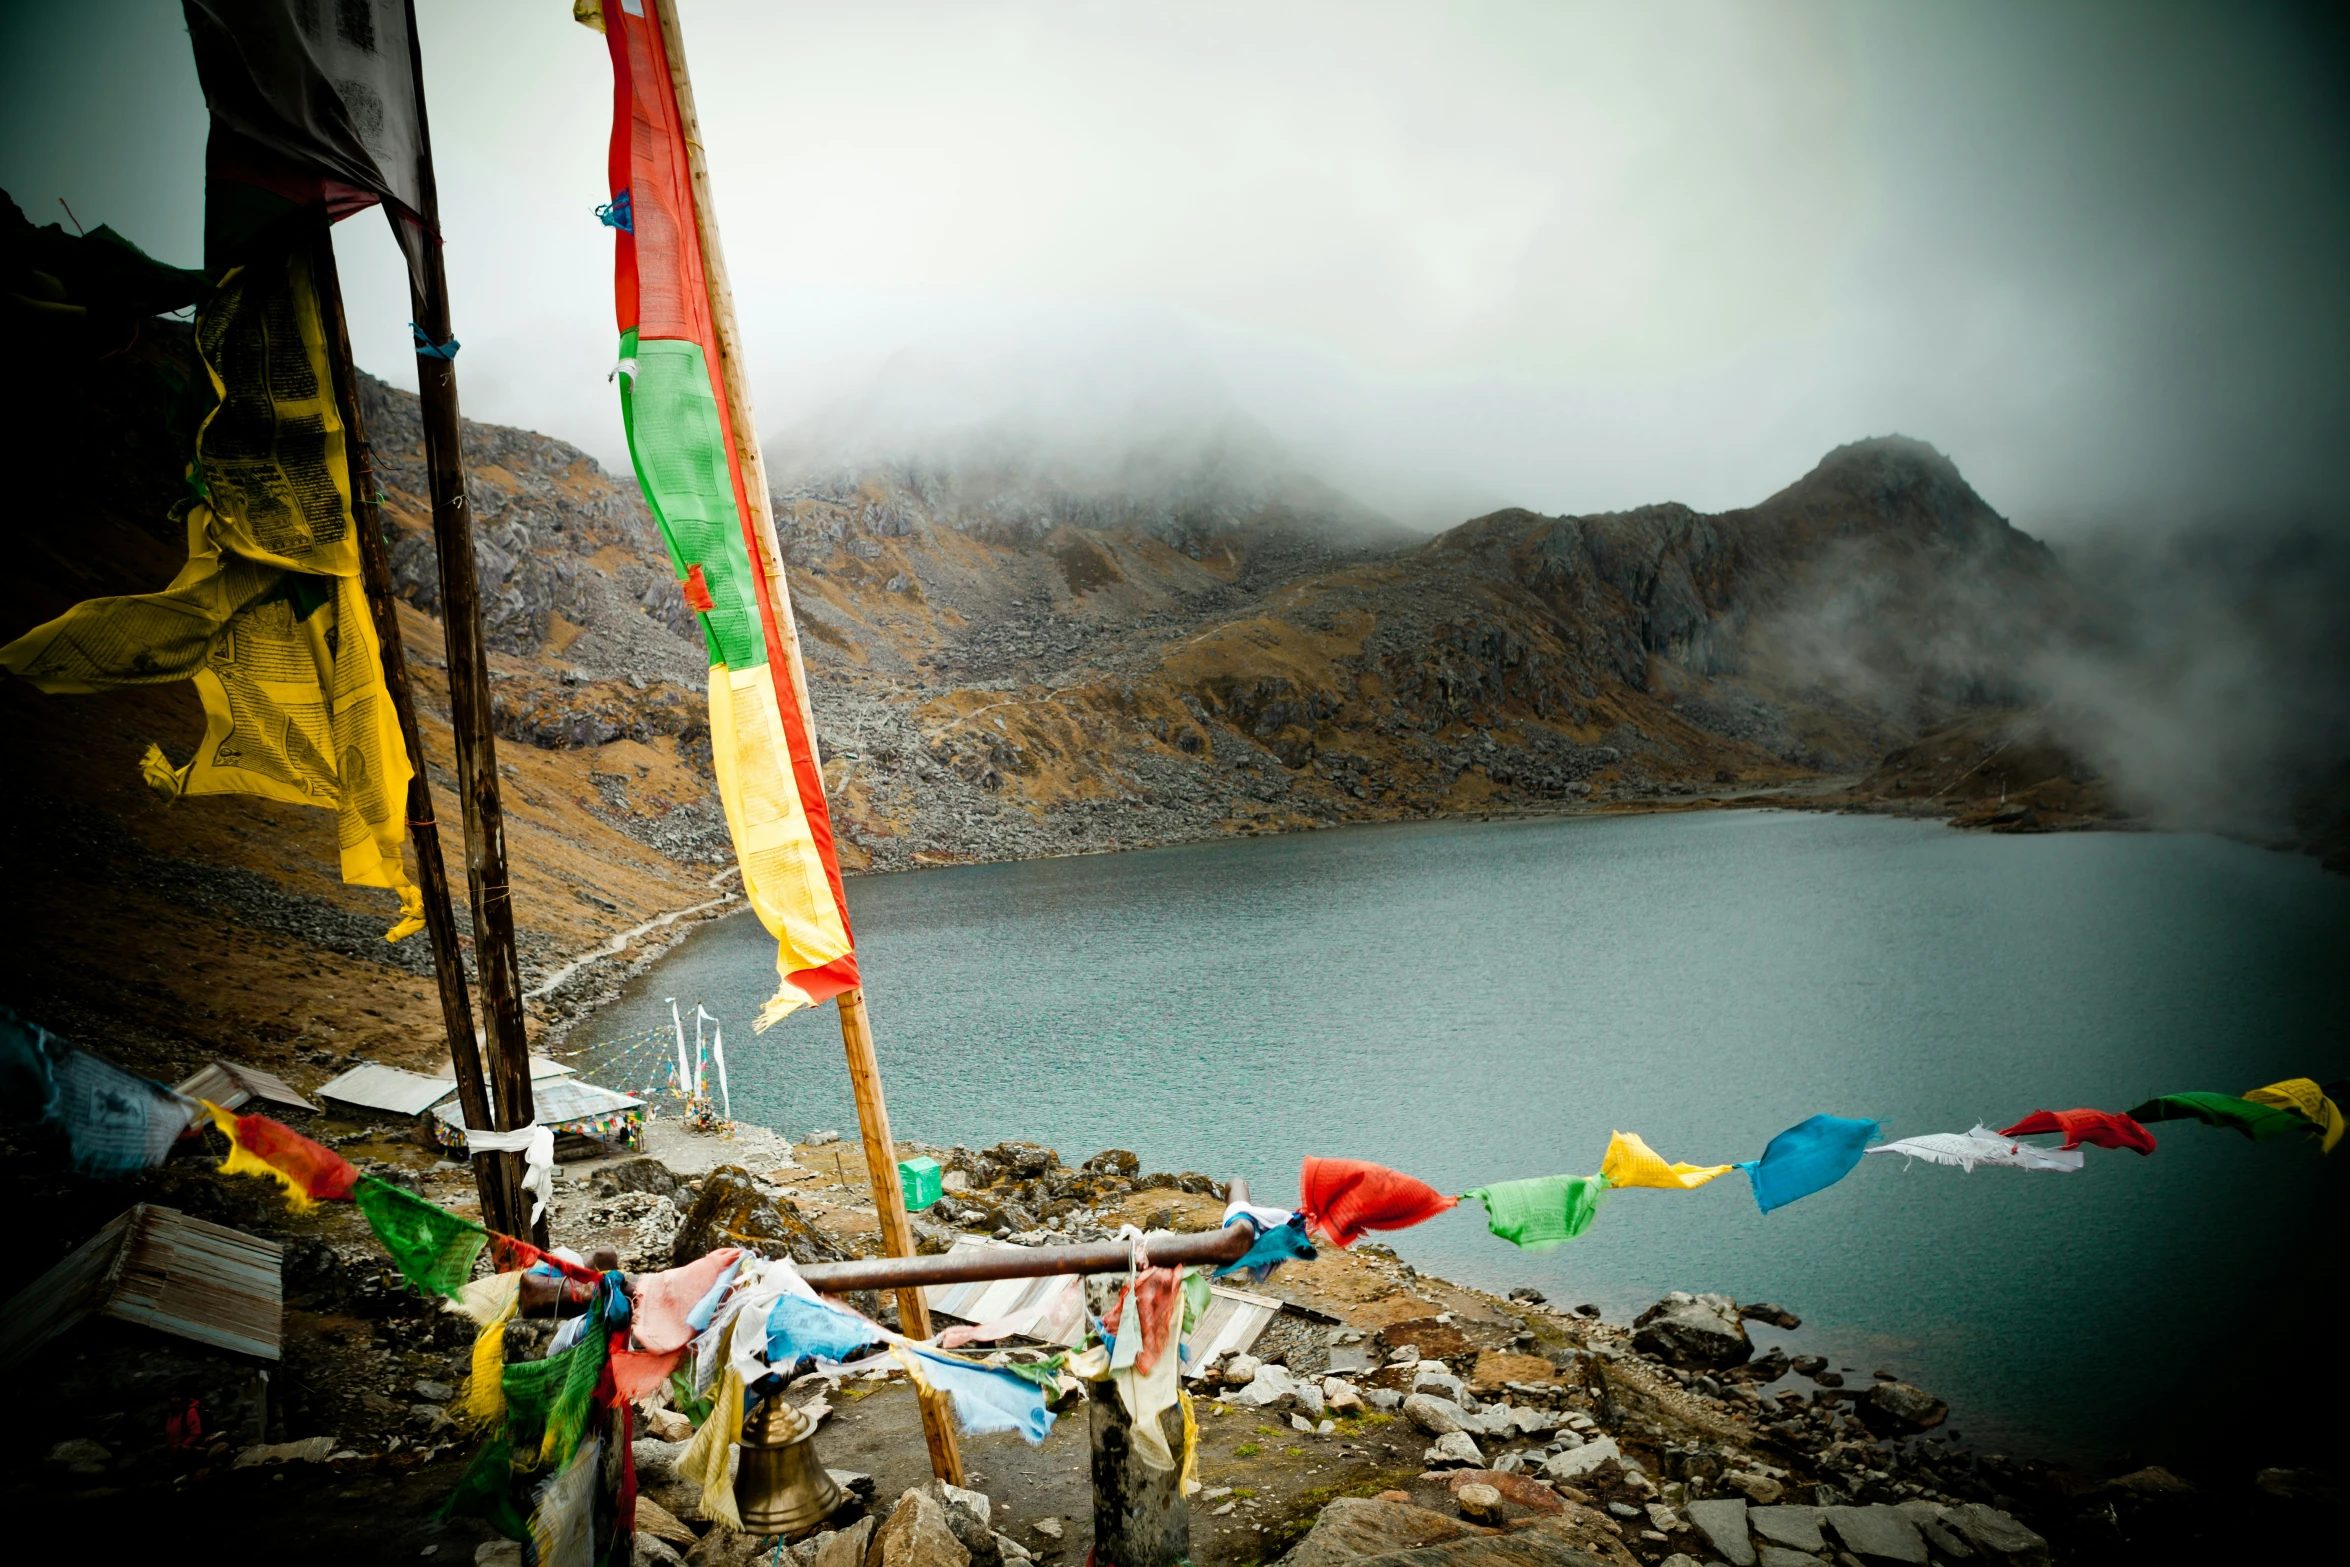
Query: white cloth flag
{"type": "Point", "coordinates": [1983, 1146]}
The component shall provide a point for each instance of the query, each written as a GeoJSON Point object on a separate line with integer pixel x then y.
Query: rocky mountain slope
{"type": "Point", "coordinates": [1005, 664]}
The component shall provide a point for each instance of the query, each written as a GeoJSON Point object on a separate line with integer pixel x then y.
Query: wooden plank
{"type": "Point", "coordinates": [487, 884]}
{"type": "Point", "coordinates": [424, 833]}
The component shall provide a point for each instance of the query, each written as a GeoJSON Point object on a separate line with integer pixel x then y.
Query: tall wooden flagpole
{"type": "Point", "coordinates": [856, 1032]}
{"type": "Point", "coordinates": [432, 875]}
{"type": "Point", "coordinates": [498, 969]}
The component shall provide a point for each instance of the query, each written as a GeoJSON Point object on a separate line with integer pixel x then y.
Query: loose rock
{"type": "Point", "coordinates": [1693, 1331]}
{"type": "Point", "coordinates": [1722, 1520]}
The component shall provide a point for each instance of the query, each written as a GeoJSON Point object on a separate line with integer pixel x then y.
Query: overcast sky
{"type": "Point", "coordinates": [1571, 257]}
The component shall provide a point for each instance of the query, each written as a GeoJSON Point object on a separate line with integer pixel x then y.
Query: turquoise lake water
{"type": "Point", "coordinates": [1482, 1001]}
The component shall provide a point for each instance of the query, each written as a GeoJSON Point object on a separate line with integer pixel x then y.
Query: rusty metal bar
{"type": "Point", "coordinates": [1029, 1262]}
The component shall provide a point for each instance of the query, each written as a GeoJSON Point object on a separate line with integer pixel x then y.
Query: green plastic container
{"type": "Point", "coordinates": [921, 1179]}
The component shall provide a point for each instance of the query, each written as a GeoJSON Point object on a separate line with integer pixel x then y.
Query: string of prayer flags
{"type": "Point", "coordinates": [1344, 1197]}
{"type": "Point", "coordinates": [114, 1121]}
{"type": "Point", "coordinates": [1631, 1162]}
{"type": "Point", "coordinates": [2103, 1128]}
{"type": "Point", "coordinates": [1982, 1146]}
{"type": "Point", "coordinates": [1538, 1214]}
{"type": "Point", "coordinates": [2302, 1096]}
{"type": "Point", "coordinates": [1810, 1156]}
{"type": "Point", "coordinates": [257, 1145]}
{"type": "Point", "coordinates": [2260, 1122]}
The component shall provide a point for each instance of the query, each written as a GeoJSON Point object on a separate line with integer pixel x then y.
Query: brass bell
{"type": "Point", "coordinates": [781, 1486]}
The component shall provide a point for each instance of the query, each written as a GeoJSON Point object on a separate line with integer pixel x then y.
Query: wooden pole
{"type": "Point", "coordinates": [432, 876]}
{"type": "Point", "coordinates": [881, 1163]}
{"type": "Point", "coordinates": [498, 969]}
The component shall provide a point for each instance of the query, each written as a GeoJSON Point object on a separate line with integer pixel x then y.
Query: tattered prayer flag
{"type": "Point", "coordinates": [2260, 1122]}
{"type": "Point", "coordinates": [701, 480]}
{"type": "Point", "coordinates": [434, 1248]}
{"type": "Point", "coordinates": [2102, 1128]}
{"type": "Point", "coordinates": [310, 1172]}
{"type": "Point", "coordinates": [1344, 1197]}
{"type": "Point", "coordinates": [268, 618]}
{"type": "Point", "coordinates": [1539, 1214]}
{"type": "Point", "coordinates": [2302, 1096]}
{"type": "Point", "coordinates": [115, 1121]}
{"type": "Point", "coordinates": [1981, 1146]}
{"type": "Point", "coordinates": [1631, 1162]}
{"type": "Point", "coordinates": [1808, 1157]}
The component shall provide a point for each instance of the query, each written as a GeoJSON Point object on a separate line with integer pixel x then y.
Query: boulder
{"type": "Point", "coordinates": [1454, 1450]}
{"type": "Point", "coordinates": [1986, 1528]}
{"type": "Point", "coordinates": [1576, 1462]}
{"type": "Point", "coordinates": [1776, 1316]}
{"type": "Point", "coordinates": [1693, 1331]}
{"type": "Point", "coordinates": [732, 1211]}
{"type": "Point", "coordinates": [668, 1425]}
{"type": "Point", "coordinates": [1520, 1489]}
{"type": "Point", "coordinates": [1761, 1490]}
{"type": "Point", "coordinates": [647, 1550]}
{"type": "Point", "coordinates": [1431, 1377]}
{"type": "Point", "coordinates": [1896, 1406]}
{"type": "Point", "coordinates": [917, 1535]}
{"type": "Point", "coordinates": [1340, 1395]}
{"type": "Point", "coordinates": [966, 1514]}
{"type": "Point", "coordinates": [848, 1547]}
{"type": "Point", "coordinates": [724, 1547]}
{"type": "Point", "coordinates": [1479, 1503]}
{"type": "Point", "coordinates": [1781, 1556]}
{"type": "Point", "coordinates": [1355, 1527]}
{"type": "Point", "coordinates": [1310, 1402]}
{"type": "Point", "coordinates": [1384, 1399]}
{"type": "Point", "coordinates": [1722, 1520]}
{"type": "Point", "coordinates": [1239, 1369]}
{"type": "Point", "coordinates": [1113, 1161]}
{"type": "Point", "coordinates": [635, 1175]}
{"type": "Point", "coordinates": [658, 1521]}
{"type": "Point", "coordinates": [1271, 1385]}
{"type": "Point", "coordinates": [1878, 1534]}
{"type": "Point", "coordinates": [1797, 1528]}
{"type": "Point", "coordinates": [1436, 1416]}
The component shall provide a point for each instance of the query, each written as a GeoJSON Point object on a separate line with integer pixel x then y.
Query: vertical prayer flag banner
{"type": "Point", "coordinates": [268, 619]}
{"type": "Point", "coordinates": [688, 459]}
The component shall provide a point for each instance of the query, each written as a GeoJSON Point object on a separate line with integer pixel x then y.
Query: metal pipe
{"type": "Point", "coordinates": [972, 1265]}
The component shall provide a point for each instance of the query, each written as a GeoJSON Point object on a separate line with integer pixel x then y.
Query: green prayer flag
{"type": "Point", "coordinates": [434, 1247]}
{"type": "Point", "coordinates": [1545, 1212]}
{"type": "Point", "coordinates": [2257, 1121]}
{"type": "Point", "coordinates": [547, 1401]}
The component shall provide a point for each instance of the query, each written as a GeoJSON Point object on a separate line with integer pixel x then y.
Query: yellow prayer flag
{"type": "Point", "coordinates": [268, 618]}
{"type": "Point", "coordinates": [2302, 1096]}
{"type": "Point", "coordinates": [1631, 1162]}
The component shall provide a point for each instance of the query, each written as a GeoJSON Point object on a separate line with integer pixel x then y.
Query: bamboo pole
{"type": "Point", "coordinates": [497, 967]}
{"type": "Point", "coordinates": [432, 875]}
{"type": "Point", "coordinates": [881, 1164]}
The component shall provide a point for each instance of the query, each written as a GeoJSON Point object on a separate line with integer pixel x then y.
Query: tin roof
{"type": "Point", "coordinates": [541, 1068]}
{"type": "Point", "coordinates": [157, 1267]}
{"type": "Point", "coordinates": [229, 1084]}
{"type": "Point", "coordinates": [557, 1102]}
{"type": "Point", "coordinates": [368, 1086]}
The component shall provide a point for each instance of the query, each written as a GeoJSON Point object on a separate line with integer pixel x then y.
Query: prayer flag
{"type": "Point", "coordinates": [1344, 1197]}
{"type": "Point", "coordinates": [696, 471]}
{"type": "Point", "coordinates": [268, 617]}
{"type": "Point", "coordinates": [313, 106]}
{"type": "Point", "coordinates": [1547, 1211]}
{"type": "Point", "coordinates": [310, 1172]}
{"type": "Point", "coordinates": [2259, 1122]}
{"type": "Point", "coordinates": [2101, 1127]}
{"type": "Point", "coordinates": [2302, 1096]}
{"type": "Point", "coordinates": [1808, 1157]}
{"type": "Point", "coordinates": [1982, 1146]}
{"type": "Point", "coordinates": [115, 1121]}
{"type": "Point", "coordinates": [433, 1248]}
{"type": "Point", "coordinates": [1631, 1162]}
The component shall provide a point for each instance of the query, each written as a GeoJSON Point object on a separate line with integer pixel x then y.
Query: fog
{"type": "Point", "coordinates": [1570, 257]}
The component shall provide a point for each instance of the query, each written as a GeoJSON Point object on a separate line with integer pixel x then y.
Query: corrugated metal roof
{"type": "Point", "coordinates": [558, 1101]}
{"type": "Point", "coordinates": [368, 1086]}
{"type": "Point", "coordinates": [229, 1084]}
{"type": "Point", "coordinates": [159, 1268]}
{"type": "Point", "coordinates": [541, 1068]}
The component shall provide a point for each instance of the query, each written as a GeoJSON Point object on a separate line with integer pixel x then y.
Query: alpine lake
{"type": "Point", "coordinates": [1481, 1001]}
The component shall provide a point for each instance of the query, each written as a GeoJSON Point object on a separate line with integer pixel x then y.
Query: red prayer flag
{"type": "Point", "coordinates": [311, 1171]}
{"type": "Point", "coordinates": [2104, 1128]}
{"type": "Point", "coordinates": [1344, 1197]}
